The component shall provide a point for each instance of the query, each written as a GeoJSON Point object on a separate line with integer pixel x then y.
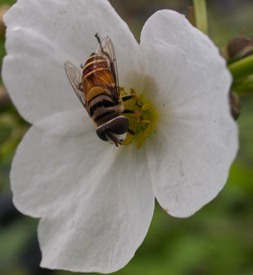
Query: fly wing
{"type": "Point", "coordinates": [74, 77]}
{"type": "Point", "coordinates": [107, 74]}
{"type": "Point", "coordinates": [107, 49]}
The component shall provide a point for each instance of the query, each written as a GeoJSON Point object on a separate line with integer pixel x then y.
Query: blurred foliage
{"type": "Point", "coordinates": [216, 240]}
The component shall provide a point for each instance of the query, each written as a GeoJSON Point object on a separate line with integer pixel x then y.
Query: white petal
{"type": "Point", "coordinates": [196, 138]}
{"type": "Point", "coordinates": [43, 35]}
{"type": "Point", "coordinates": [96, 200]}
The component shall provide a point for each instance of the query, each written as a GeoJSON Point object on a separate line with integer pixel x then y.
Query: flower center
{"type": "Point", "coordinates": [142, 117]}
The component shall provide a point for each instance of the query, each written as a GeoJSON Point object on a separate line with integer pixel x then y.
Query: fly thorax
{"type": "Point", "coordinates": [101, 106]}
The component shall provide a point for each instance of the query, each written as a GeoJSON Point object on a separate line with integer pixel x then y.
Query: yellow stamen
{"type": "Point", "coordinates": [143, 119]}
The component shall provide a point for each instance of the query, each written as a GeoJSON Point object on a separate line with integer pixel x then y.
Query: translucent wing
{"type": "Point", "coordinates": [74, 77]}
{"type": "Point", "coordinates": [109, 76]}
{"type": "Point", "coordinates": [107, 49]}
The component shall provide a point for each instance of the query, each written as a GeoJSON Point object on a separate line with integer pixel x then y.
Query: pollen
{"type": "Point", "coordinates": [142, 117]}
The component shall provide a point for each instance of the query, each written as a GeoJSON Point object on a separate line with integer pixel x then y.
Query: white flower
{"type": "Point", "coordinates": [96, 201]}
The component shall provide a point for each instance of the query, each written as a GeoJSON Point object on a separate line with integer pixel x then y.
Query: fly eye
{"type": "Point", "coordinates": [116, 126]}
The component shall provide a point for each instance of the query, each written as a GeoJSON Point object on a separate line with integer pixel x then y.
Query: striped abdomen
{"type": "Point", "coordinates": [102, 99]}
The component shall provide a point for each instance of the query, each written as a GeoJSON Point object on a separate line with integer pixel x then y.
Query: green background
{"type": "Point", "coordinates": [216, 240]}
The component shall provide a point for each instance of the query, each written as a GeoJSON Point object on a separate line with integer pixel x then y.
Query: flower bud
{"type": "Point", "coordinates": [3, 10]}
{"type": "Point", "coordinates": [239, 47]}
{"type": "Point", "coordinates": [235, 105]}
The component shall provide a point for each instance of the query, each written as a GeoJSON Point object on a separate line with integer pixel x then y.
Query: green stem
{"type": "Point", "coordinates": [200, 15]}
{"type": "Point", "coordinates": [243, 85]}
{"type": "Point", "coordinates": [242, 67]}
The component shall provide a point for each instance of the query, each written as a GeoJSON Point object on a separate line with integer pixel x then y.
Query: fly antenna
{"type": "Point", "coordinates": [99, 41]}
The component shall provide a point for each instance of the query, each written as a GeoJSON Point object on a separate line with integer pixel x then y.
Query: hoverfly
{"type": "Point", "coordinates": [98, 90]}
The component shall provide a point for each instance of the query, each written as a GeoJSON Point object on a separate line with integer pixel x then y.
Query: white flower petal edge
{"type": "Point", "coordinates": [196, 139]}
{"type": "Point", "coordinates": [43, 34]}
{"type": "Point", "coordinates": [96, 205]}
